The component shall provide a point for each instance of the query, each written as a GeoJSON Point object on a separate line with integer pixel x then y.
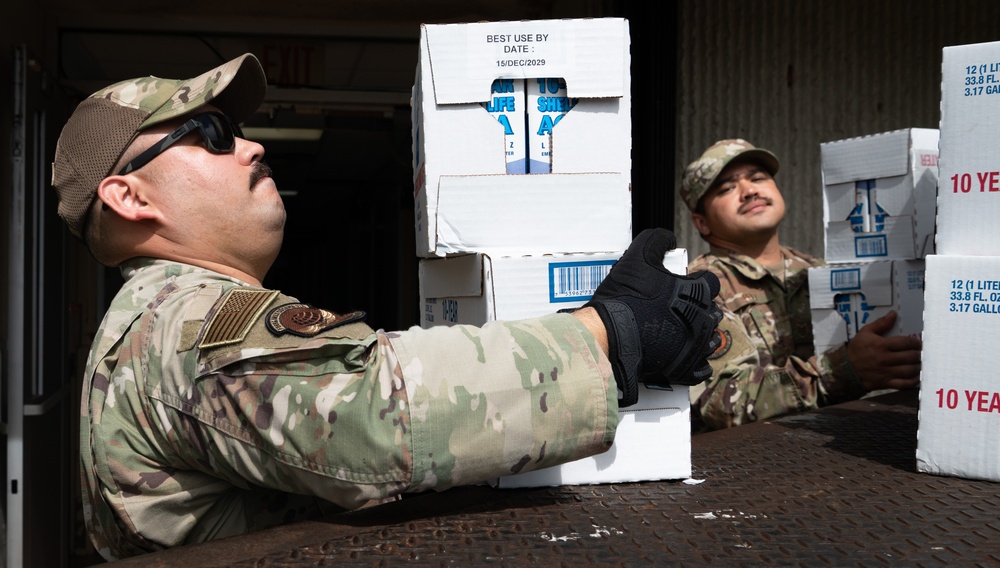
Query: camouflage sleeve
{"type": "Point", "coordinates": [840, 382]}
{"type": "Point", "coordinates": [433, 409]}
{"type": "Point", "coordinates": [504, 398]}
{"type": "Point", "coordinates": [351, 422]}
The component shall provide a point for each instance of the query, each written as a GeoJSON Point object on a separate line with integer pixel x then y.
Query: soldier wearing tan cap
{"type": "Point", "coordinates": [213, 406]}
{"type": "Point", "coordinates": [768, 366]}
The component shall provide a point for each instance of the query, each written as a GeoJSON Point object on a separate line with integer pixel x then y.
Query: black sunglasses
{"type": "Point", "coordinates": [218, 131]}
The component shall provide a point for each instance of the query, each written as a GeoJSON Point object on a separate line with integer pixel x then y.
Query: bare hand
{"type": "Point", "coordinates": [885, 362]}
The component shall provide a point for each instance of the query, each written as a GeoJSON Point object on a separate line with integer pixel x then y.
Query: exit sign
{"type": "Point", "coordinates": [292, 63]}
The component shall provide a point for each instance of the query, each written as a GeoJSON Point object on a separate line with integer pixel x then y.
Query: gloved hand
{"type": "Point", "coordinates": [661, 326]}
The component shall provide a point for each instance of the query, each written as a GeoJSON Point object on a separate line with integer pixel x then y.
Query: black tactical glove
{"type": "Point", "coordinates": [661, 326]}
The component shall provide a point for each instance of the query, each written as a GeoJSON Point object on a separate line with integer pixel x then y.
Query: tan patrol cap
{"type": "Point", "coordinates": [106, 122]}
{"type": "Point", "coordinates": [701, 173]}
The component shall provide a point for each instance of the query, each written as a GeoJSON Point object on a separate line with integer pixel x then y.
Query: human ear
{"type": "Point", "coordinates": [701, 224]}
{"type": "Point", "coordinates": [124, 196]}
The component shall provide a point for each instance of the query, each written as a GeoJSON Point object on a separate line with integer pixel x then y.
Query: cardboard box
{"type": "Point", "coordinates": [959, 414]}
{"type": "Point", "coordinates": [478, 288]}
{"type": "Point", "coordinates": [463, 198]}
{"type": "Point", "coordinates": [969, 198]}
{"type": "Point", "coordinates": [653, 442]}
{"type": "Point", "coordinates": [845, 297]}
{"type": "Point", "coordinates": [879, 195]}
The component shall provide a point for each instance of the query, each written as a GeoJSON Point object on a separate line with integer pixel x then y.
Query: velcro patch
{"type": "Point", "coordinates": [306, 321]}
{"type": "Point", "coordinates": [725, 346]}
{"type": "Point", "coordinates": [232, 321]}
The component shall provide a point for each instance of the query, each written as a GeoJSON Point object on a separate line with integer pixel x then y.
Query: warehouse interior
{"type": "Point", "coordinates": [786, 75]}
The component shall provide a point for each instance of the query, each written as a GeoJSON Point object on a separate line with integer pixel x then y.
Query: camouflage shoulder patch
{"type": "Point", "coordinates": [239, 310]}
{"type": "Point", "coordinates": [304, 320]}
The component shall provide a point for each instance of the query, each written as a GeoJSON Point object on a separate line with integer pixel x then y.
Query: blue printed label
{"type": "Point", "coordinates": [855, 310]}
{"type": "Point", "coordinates": [576, 281]}
{"type": "Point", "coordinates": [875, 245]}
{"type": "Point", "coordinates": [449, 310]}
{"type": "Point", "coordinates": [507, 106]}
{"type": "Point", "coordinates": [845, 279]}
{"type": "Point", "coordinates": [547, 105]}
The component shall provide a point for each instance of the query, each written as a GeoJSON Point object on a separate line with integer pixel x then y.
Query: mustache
{"type": "Point", "coordinates": [752, 202]}
{"type": "Point", "coordinates": [260, 171]}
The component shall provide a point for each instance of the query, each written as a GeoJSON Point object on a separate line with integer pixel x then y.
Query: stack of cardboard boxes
{"type": "Point", "coordinates": [878, 205]}
{"type": "Point", "coordinates": [522, 175]}
{"type": "Point", "coordinates": [959, 416]}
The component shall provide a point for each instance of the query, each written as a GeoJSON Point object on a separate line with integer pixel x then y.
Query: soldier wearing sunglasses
{"type": "Point", "coordinates": [213, 406]}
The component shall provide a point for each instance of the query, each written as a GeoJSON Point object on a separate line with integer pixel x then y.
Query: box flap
{"type": "Point", "coordinates": [452, 277]}
{"type": "Point", "coordinates": [571, 212]}
{"type": "Point", "coordinates": [894, 242]}
{"type": "Point", "coordinates": [867, 157]}
{"type": "Point", "coordinates": [676, 260]}
{"type": "Point", "coordinates": [926, 139]}
{"type": "Point", "coordinates": [466, 58]}
{"type": "Point", "coordinates": [829, 330]}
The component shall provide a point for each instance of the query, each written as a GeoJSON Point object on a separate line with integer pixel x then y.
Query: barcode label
{"type": "Point", "coordinates": [576, 281]}
{"type": "Point", "coordinates": [871, 246]}
{"type": "Point", "coordinates": [845, 279]}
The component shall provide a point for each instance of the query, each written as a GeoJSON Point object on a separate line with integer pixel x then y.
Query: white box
{"type": "Point", "coordinates": [969, 198]}
{"type": "Point", "coordinates": [845, 297]}
{"type": "Point", "coordinates": [478, 288]}
{"type": "Point", "coordinates": [461, 189]}
{"type": "Point", "coordinates": [879, 195]}
{"type": "Point", "coordinates": [653, 442]}
{"type": "Point", "coordinates": [530, 214]}
{"type": "Point", "coordinates": [959, 414]}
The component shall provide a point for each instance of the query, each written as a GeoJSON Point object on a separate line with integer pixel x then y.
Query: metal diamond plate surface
{"type": "Point", "coordinates": [836, 487]}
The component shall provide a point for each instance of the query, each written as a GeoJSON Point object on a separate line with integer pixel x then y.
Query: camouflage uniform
{"type": "Point", "coordinates": [768, 366]}
{"type": "Point", "coordinates": [207, 413]}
